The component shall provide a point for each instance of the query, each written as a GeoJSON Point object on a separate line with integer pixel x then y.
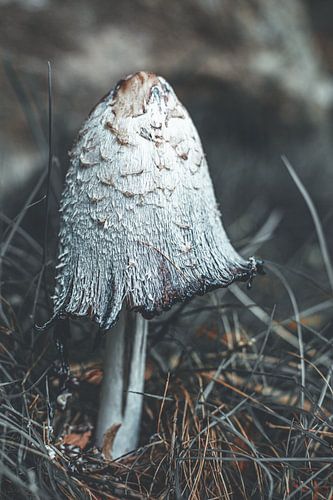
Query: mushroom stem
{"type": "Point", "coordinates": [121, 402]}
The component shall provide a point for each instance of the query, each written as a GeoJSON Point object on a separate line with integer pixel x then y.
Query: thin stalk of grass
{"type": "Point", "coordinates": [298, 326]}
{"type": "Point", "coordinates": [316, 220]}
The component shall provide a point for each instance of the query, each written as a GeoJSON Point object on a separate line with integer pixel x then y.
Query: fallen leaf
{"type": "Point", "coordinates": [109, 438]}
{"type": "Point", "coordinates": [80, 440]}
{"type": "Point", "coordinates": [94, 376]}
{"type": "Point", "coordinates": [312, 321]}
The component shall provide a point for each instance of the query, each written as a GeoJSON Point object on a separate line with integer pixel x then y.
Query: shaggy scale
{"type": "Point", "coordinates": [140, 223]}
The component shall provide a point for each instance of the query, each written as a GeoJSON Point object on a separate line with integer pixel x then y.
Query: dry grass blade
{"type": "Point", "coordinates": [316, 220]}
{"type": "Point", "coordinates": [263, 316]}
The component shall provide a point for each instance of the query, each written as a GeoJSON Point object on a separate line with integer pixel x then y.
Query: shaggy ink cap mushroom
{"type": "Point", "coordinates": [140, 223]}
{"type": "Point", "coordinates": [140, 230]}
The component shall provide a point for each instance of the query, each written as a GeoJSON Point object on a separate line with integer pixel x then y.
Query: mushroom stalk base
{"type": "Point", "coordinates": [124, 366]}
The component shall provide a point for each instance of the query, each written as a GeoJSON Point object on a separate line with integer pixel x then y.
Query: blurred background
{"type": "Point", "coordinates": [256, 76]}
{"type": "Point", "coordinates": [257, 79]}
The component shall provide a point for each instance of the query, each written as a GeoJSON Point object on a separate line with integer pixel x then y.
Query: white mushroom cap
{"type": "Point", "coordinates": [140, 223]}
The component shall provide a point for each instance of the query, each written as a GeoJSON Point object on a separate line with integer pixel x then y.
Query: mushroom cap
{"type": "Point", "coordinates": [140, 223]}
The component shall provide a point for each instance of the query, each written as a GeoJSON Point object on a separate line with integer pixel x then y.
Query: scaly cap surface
{"type": "Point", "coordinates": [140, 222]}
